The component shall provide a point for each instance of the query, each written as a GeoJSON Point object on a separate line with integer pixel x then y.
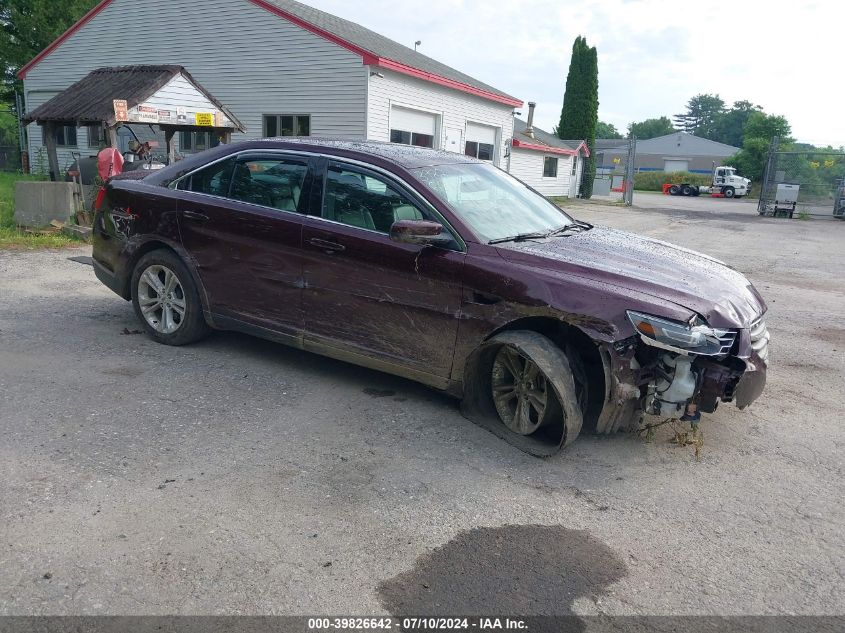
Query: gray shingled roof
{"type": "Point", "coordinates": [541, 137]}
{"type": "Point", "coordinates": [378, 45]}
{"type": "Point", "coordinates": [680, 144]}
{"type": "Point", "coordinates": [91, 99]}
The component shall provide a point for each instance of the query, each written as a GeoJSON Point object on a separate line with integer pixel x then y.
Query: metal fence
{"type": "Point", "coordinates": [10, 158]}
{"type": "Point", "coordinates": [801, 182]}
{"type": "Point", "coordinates": [615, 178]}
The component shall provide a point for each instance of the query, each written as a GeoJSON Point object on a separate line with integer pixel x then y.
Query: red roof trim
{"type": "Point", "coordinates": [548, 149]}
{"type": "Point", "coordinates": [389, 64]}
{"type": "Point", "coordinates": [73, 29]}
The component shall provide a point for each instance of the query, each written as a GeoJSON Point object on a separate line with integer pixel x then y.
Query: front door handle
{"type": "Point", "coordinates": [326, 245]}
{"type": "Point", "coordinates": [195, 215]}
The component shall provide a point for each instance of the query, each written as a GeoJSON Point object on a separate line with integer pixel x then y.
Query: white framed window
{"type": "Point", "coordinates": [286, 125]}
{"type": "Point", "coordinates": [411, 138]}
{"type": "Point", "coordinates": [97, 136]}
{"type": "Point", "coordinates": [482, 151]}
{"type": "Point", "coordinates": [65, 135]}
{"type": "Point", "coordinates": [550, 167]}
{"type": "Point", "coordinates": [191, 142]}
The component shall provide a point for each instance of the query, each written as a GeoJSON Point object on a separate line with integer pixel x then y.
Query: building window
{"type": "Point", "coordinates": [549, 167]}
{"type": "Point", "coordinates": [574, 165]}
{"type": "Point", "coordinates": [197, 141]}
{"type": "Point", "coordinates": [411, 138]}
{"type": "Point", "coordinates": [66, 136]}
{"type": "Point", "coordinates": [482, 151]}
{"type": "Point", "coordinates": [97, 136]}
{"type": "Point", "coordinates": [287, 125]}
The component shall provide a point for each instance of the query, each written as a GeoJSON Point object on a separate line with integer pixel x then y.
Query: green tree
{"type": "Point", "coordinates": [758, 132]}
{"type": "Point", "coordinates": [651, 128]}
{"type": "Point", "coordinates": [607, 130]}
{"type": "Point", "coordinates": [27, 27]}
{"type": "Point", "coordinates": [729, 128]}
{"type": "Point", "coordinates": [701, 117]}
{"type": "Point", "coordinates": [580, 113]}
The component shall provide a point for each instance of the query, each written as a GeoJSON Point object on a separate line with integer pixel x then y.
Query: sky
{"type": "Point", "coordinates": [654, 55]}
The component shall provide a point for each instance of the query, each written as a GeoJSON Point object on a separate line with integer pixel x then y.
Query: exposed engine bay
{"type": "Point", "coordinates": [687, 369]}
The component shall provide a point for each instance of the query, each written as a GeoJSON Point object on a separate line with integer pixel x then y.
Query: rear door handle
{"type": "Point", "coordinates": [194, 215]}
{"type": "Point", "coordinates": [326, 245]}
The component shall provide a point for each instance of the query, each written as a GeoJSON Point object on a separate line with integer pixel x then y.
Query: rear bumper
{"type": "Point", "coordinates": [110, 279]}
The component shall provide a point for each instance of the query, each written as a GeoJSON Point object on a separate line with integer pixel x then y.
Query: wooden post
{"type": "Point", "coordinates": [111, 133]}
{"type": "Point", "coordinates": [48, 131]}
{"type": "Point", "coordinates": [169, 133]}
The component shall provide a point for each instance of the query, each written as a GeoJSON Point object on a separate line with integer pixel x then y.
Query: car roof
{"type": "Point", "coordinates": [407, 156]}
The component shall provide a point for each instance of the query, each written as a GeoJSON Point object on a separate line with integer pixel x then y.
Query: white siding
{"type": "Point", "coordinates": [453, 108]}
{"type": "Point", "coordinates": [528, 167]}
{"type": "Point", "coordinates": [254, 62]}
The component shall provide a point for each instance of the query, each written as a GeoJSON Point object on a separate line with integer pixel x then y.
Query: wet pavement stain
{"type": "Point", "coordinates": [514, 569]}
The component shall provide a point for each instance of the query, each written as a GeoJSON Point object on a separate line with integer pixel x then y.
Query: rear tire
{"type": "Point", "coordinates": [166, 299]}
{"type": "Point", "coordinates": [686, 190]}
{"type": "Point", "coordinates": [674, 190]}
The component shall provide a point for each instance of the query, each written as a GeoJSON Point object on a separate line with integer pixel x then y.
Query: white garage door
{"type": "Point", "coordinates": [481, 141]}
{"type": "Point", "coordinates": [412, 127]}
{"type": "Point", "coordinates": [675, 165]}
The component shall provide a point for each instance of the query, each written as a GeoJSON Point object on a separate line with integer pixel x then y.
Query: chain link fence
{"type": "Point", "coordinates": [802, 182]}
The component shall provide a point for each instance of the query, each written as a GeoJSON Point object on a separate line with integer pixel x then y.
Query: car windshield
{"type": "Point", "coordinates": [493, 204]}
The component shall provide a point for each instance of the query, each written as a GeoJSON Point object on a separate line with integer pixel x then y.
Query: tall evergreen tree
{"type": "Point", "coordinates": [580, 113]}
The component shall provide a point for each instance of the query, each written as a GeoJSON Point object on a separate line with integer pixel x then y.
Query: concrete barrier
{"type": "Point", "coordinates": [37, 203]}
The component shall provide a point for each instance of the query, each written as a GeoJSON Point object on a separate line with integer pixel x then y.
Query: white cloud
{"type": "Point", "coordinates": [653, 54]}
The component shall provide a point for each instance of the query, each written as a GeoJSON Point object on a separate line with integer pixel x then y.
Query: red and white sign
{"type": "Point", "coordinates": [146, 114]}
{"type": "Point", "coordinates": [121, 111]}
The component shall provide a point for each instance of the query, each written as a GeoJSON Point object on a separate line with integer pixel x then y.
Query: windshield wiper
{"type": "Point", "coordinates": [521, 237]}
{"type": "Point", "coordinates": [576, 225]}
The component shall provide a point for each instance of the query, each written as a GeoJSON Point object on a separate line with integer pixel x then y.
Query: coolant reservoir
{"type": "Point", "coordinates": [673, 396]}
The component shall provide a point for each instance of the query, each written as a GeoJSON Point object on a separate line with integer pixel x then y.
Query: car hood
{"type": "Point", "coordinates": [720, 294]}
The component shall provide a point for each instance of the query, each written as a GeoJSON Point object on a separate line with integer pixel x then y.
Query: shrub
{"type": "Point", "coordinates": [653, 180]}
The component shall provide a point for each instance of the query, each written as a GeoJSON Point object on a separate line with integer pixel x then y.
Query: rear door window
{"type": "Point", "coordinates": [213, 180]}
{"type": "Point", "coordinates": [273, 182]}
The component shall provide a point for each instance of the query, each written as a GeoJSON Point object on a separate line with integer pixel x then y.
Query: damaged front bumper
{"type": "Point", "coordinates": [634, 385]}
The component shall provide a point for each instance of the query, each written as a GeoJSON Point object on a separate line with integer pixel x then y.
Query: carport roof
{"type": "Point", "coordinates": [91, 99]}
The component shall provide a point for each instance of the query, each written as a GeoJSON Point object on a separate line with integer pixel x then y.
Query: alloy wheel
{"type": "Point", "coordinates": [520, 391]}
{"type": "Point", "coordinates": [161, 298]}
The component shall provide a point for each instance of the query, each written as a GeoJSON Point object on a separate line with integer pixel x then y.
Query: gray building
{"type": "Point", "coordinates": [674, 152]}
{"type": "Point", "coordinates": [282, 68]}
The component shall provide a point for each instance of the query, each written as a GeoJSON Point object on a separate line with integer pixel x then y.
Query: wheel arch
{"type": "Point", "coordinates": [586, 360]}
{"type": "Point", "coordinates": [148, 246]}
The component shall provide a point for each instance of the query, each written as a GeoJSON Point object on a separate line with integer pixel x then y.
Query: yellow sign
{"type": "Point", "coordinates": [205, 118]}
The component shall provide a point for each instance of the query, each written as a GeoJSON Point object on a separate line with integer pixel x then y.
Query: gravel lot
{"type": "Point", "coordinates": [238, 476]}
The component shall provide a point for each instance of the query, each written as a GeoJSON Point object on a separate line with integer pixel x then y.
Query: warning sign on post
{"type": "Point", "coordinates": [205, 118]}
{"type": "Point", "coordinates": [121, 110]}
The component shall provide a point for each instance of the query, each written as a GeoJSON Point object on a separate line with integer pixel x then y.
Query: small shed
{"type": "Point", "coordinates": [166, 96]}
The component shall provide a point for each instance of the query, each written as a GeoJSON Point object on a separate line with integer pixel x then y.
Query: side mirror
{"type": "Point", "coordinates": [421, 232]}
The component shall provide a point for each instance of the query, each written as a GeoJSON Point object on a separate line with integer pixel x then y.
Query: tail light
{"type": "Point", "coordinates": [101, 195]}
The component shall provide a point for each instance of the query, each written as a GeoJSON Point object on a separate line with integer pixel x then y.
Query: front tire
{"type": "Point", "coordinates": [729, 192]}
{"type": "Point", "coordinates": [166, 299]}
{"type": "Point", "coordinates": [533, 391]}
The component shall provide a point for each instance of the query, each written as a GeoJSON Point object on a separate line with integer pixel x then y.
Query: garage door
{"type": "Point", "coordinates": [675, 165]}
{"type": "Point", "coordinates": [481, 141]}
{"type": "Point", "coordinates": [412, 127]}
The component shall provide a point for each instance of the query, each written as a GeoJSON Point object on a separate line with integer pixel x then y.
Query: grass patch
{"type": "Point", "coordinates": [11, 236]}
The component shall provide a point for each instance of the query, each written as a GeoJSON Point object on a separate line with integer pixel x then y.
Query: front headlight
{"type": "Point", "coordinates": [682, 338]}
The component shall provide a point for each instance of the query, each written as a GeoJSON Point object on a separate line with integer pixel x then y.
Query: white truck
{"type": "Point", "coordinates": [725, 184]}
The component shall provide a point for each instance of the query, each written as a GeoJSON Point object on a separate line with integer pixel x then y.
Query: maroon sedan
{"type": "Point", "coordinates": [440, 268]}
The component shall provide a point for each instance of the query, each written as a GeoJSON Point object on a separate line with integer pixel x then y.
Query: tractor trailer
{"type": "Point", "coordinates": [725, 183]}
